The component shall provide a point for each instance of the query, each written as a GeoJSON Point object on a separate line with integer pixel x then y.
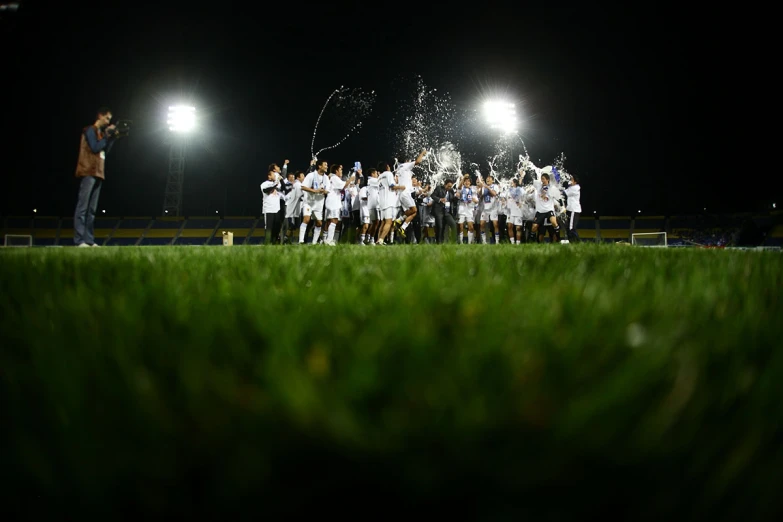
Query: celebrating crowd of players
{"type": "Point", "coordinates": [382, 204]}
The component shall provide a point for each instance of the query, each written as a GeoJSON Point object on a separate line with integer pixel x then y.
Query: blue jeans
{"type": "Point", "coordinates": [86, 206]}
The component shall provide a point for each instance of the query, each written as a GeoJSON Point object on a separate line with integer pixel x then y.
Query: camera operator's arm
{"type": "Point", "coordinates": [95, 144]}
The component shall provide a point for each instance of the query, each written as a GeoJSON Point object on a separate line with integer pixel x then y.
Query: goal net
{"type": "Point", "coordinates": [650, 239]}
{"type": "Point", "coordinates": [17, 240]}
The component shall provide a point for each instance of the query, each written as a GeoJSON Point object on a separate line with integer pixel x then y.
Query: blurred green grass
{"type": "Point", "coordinates": [498, 380]}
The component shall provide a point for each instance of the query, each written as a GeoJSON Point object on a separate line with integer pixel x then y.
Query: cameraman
{"type": "Point", "coordinates": [95, 144]}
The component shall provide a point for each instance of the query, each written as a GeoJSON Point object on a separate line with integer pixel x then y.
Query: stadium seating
{"type": "Point", "coordinates": [162, 231]}
{"type": "Point", "coordinates": [775, 236]}
{"type": "Point", "coordinates": [198, 231]}
{"type": "Point", "coordinates": [586, 228]}
{"type": "Point", "coordinates": [614, 228]}
{"type": "Point", "coordinates": [142, 231]}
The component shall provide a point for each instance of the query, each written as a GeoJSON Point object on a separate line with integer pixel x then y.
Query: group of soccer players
{"type": "Point", "coordinates": [383, 204]}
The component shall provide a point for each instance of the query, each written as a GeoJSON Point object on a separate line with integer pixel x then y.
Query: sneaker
{"type": "Point", "coordinates": [95, 245]}
{"type": "Point", "coordinates": [82, 245]}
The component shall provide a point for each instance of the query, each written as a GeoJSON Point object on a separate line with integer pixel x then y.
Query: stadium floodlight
{"type": "Point", "coordinates": [182, 118]}
{"type": "Point", "coordinates": [35, 210]}
{"type": "Point", "coordinates": [182, 122]}
{"type": "Point", "coordinates": [501, 115]}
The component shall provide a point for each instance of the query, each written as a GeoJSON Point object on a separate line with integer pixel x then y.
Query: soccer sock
{"type": "Point", "coordinates": [302, 232]}
{"type": "Point", "coordinates": [405, 225]}
{"type": "Point", "coordinates": [470, 238]}
{"type": "Point", "coordinates": [330, 233]}
{"type": "Point", "coordinates": [512, 240]}
{"type": "Point", "coordinates": [361, 238]}
{"type": "Point", "coordinates": [484, 238]}
{"type": "Point", "coordinates": [316, 234]}
{"type": "Point", "coordinates": [497, 239]}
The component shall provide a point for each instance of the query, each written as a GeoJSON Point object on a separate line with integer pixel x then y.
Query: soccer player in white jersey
{"type": "Point", "coordinates": [404, 174]}
{"type": "Point", "coordinates": [427, 217]}
{"type": "Point", "coordinates": [573, 208]}
{"type": "Point", "coordinates": [372, 205]}
{"type": "Point", "coordinates": [468, 200]}
{"type": "Point", "coordinates": [528, 204]}
{"type": "Point", "coordinates": [293, 201]}
{"type": "Point", "coordinates": [315, 187]}
{"type": "Point", "coordinates": [545, 208]}
{"type": "Point", "coordinates": [387, 199]}
{"type": "Point", "coordinates": [488, 192]}
{"type": "Point", "coordinates": [514, 221]}
{"type": "Point", "coordinates": [364, 213]}
{"type": "Point", "coordinates": [271, 191]}
{"type": "Point", "coordinates": [334, 203]}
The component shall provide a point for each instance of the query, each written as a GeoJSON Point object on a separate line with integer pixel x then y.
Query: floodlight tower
{"type": "Point", "coordinates": [501, 115]}
{"type": "Point", "coordinates": [181, 121]}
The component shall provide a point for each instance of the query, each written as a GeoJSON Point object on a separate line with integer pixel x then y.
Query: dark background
{"type": "Point", "coordinates": [623, 93]}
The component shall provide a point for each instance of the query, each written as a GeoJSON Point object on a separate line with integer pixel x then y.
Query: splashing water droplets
{"type": "Point", "coordinates": [343, 109]}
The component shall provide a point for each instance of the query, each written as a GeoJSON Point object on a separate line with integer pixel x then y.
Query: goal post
{"type": "Point", "coordinates": [651, 239]}
{"type": "Point", "coordinates": [18, 240]}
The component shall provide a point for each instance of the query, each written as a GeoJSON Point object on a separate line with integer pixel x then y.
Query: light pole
{"type": "Point", "coordinates": [181, 121]}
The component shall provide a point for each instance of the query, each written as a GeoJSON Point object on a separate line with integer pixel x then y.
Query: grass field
{"type": "Point", "coordinates": [550, 381]}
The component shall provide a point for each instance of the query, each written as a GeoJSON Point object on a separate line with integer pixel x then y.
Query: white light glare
{"type": "Point", "coordinates": [182, 118]}
{"type": "Point", "coordinates": [35, 210]}
{"type": "Point", "coordinates": [501, 115]}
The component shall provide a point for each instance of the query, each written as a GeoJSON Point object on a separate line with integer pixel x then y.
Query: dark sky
{"type": "Point", "coordinates": [614, 91]}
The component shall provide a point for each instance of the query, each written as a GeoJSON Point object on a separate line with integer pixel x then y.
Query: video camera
{"type": "Point", "coordinates": [121, 129]}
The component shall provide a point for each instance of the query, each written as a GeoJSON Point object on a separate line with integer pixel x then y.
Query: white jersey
{"type": "Point", "coordinates": [363, 199]}
{"type": "Point", "coordinates": [387, 198]}
{"type": "Point", "coordinates": [355, 203]}
{"type": "Point", "coordinates": [315, 181]}
{"type": "Point", "coordinates": [293, 201]}
{"type": "Point", "coordinates": [405, 175]}
{"type": "Point", "coordinates": [528, 205]}
{"type": "Point", "coordinates": [334, 198]}
{"type": "Point", "coordinates": [544, 201]}
{"type": "Point", "coordinates": [490, 201]}
{"type": "Point", "coordinates": [514, 200]}
{"type": "Point", "coordinates": [467, 202]}
{"type": "Point", "coordinates": [272, 199]}
{"type": "Point", "coordinates": [349, 196]}
{"type": "Point", "coordinates": [574, 195]}
{"type": "Point", "coordinates": [372, 193]}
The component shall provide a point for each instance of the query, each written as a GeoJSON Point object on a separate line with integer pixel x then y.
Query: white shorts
{"type": "Point", "coordinates": [515, 220]}
{"type": "Point", "coordinates": [430, 221]}
{"type": "Point", "coordinates": [307, 211]}
{"type": "Point", "coordinates": [374, 214]}
{"type": "Point", "coordinates": [465, 214]}
{"type": "Point", "coordinates": [333, 213]}
{"type": "Point", "coordinates": [406, 200]}
{"type": "Point", "coordinates": [387, 213]}
{"type": "Point", "coordinates": [489, 216]}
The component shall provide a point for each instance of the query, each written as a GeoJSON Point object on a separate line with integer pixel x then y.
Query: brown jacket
{"type": "Point", "coordinates": [90, 163]}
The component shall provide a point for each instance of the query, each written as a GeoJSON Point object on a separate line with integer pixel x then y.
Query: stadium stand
{"type": "Point", "coordinates": [586, 229]}
{"type": "Point", "coordinates": [163, 231]}
{"type": "Point", "coordinates": [709, 230]}
{"type": "Point", "coordinates": [240, 226]}
{"type": "Point", "coordinates": [614, 228]}
{"type": "Point", "coordinates": [129, 232]}
{"type": "Point", "coordinates": [44, 230]}
{"type": "Point", "coordinates": [198, 231]}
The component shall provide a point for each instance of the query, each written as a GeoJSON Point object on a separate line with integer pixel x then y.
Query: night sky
{"type": "Point", "coordinates": [611, 90]}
